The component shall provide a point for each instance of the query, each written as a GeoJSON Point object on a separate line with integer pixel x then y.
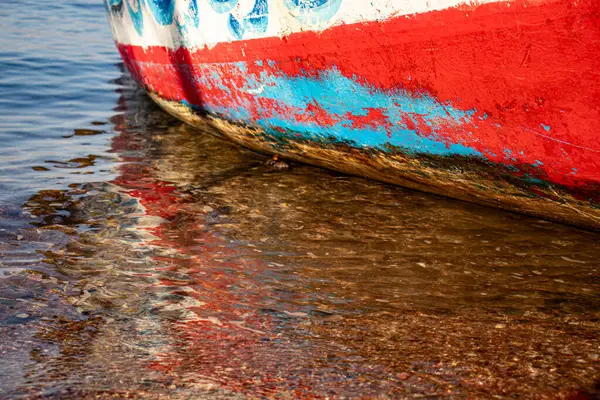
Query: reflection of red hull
{"type": "Point", "coordinates": [228, 342]}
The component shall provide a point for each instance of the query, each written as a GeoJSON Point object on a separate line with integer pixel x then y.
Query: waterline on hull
{"type": "Point", "coordinates": [465, 178]}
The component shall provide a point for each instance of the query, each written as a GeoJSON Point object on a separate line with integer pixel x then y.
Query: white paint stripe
{"type": "Point", "coordinates": [213, 27]}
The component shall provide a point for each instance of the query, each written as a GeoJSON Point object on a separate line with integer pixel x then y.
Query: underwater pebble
{"type": "Point", "coordinates": [296, 314]}
{"type": "Point", "coordinates": [573, 261]}
{"type": "Point", "coordinates": [22, 315]}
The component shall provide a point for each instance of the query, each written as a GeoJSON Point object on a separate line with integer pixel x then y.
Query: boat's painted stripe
{"type": "Point", "coordinates": [159, 22]}
{"type": "Point", "coordinates": [517, 85]}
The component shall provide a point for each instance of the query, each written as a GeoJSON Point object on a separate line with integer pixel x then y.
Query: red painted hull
{"type": "Point", "coordinates": [527, 73]}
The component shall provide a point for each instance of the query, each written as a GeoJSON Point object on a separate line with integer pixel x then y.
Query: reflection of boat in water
{"type": "Point", "coordinates": [228, 321]}
{"type": "Point", "coordinates": [494, 102]}
{"type": "Point", "coordinates": [261, 292]}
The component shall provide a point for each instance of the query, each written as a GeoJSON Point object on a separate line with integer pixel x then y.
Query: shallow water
{"type": "Point", "coordinates": [141, 258]}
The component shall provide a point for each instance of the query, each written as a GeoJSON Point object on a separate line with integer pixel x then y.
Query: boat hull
{"type": "Point", "coordinates": [496, 103]}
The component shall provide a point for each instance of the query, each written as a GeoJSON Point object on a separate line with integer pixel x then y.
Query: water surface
{"type": "Point", "coordinates": [142, 258]}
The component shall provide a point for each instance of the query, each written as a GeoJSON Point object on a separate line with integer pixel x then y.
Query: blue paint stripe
{"type": "Point", "coordinates": [339, 96]}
